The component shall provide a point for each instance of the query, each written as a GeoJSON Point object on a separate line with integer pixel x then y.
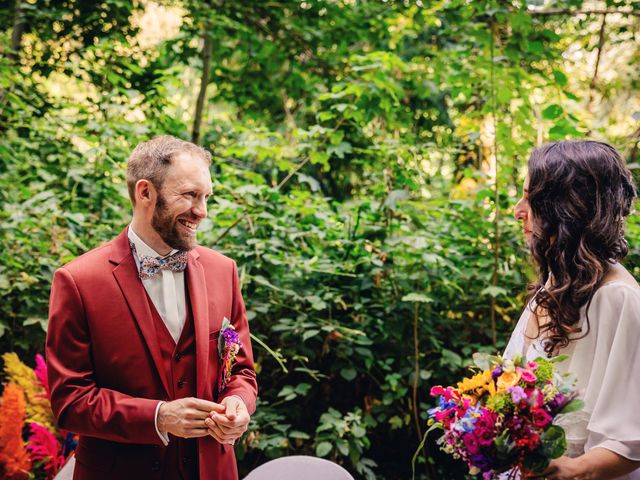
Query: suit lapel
{"type": "Point", "coordinates": [199, 306]}
{"type": "Point", "coordinates": [126, 274]}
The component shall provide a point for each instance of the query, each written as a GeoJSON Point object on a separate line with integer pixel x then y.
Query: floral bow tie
{"type": "Point", "coordinates": [149, 266]}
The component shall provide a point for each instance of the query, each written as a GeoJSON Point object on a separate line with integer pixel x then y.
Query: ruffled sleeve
{"type": "Point", "coordinates": [612, 391]}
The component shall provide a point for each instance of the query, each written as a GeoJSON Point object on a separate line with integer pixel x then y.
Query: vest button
{"type": "Point", "coordinates": [155, 466]}
{"type": "Point", "coordinates": [178, 357]}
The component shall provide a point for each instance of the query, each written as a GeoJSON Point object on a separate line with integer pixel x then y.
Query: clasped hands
{"type": "Point", "coordinates": [192, 418]}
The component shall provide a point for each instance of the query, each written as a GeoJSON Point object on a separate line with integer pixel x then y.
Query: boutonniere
{"type": "Point", "coordinates": [229, 345]}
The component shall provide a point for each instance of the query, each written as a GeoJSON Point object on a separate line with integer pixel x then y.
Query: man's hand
{"type": "Point", "coordinates": [186, 417]}
{"type": "Point", "coordinates": [229, 425]}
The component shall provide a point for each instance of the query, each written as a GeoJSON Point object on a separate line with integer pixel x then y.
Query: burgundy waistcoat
{"type": "Point", "coordinates": [180, 460]}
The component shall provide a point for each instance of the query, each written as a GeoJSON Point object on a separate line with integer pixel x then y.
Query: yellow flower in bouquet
{"type": "Point", "coordinates": [478, 384]}
{"type": "Point", "coordinates": [508, 379]}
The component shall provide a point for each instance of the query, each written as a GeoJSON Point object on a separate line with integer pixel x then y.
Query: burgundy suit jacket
{"type": "Point", "coordinates": [105, 367]}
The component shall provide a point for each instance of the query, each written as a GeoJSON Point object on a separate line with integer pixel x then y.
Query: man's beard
{"type": "Point", "coordinates": [163, 223]}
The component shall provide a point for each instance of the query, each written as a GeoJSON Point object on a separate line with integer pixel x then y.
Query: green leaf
{"type": "Point", "coordinates": [557, 359]}
{"type": "Point", "coordinates": [319, 158]}
{"type": "Point", "coordinates": [493, 291]}
{"type": "Point", "coordinates": [394, 197]}
{"type": "Point", "coordinates": [417, 297]}
{"type": "Point", "coordinates": [553, 442]}
{"type": "Point", "coordinates": [536, 463]}
{"type": "Point", "coordinates": [451, 358]}
{"type": "Point", "coordinates": [561, 78]}
{"type": "Point", "coordinates": [348, 373]}
{"type": "Point", "coordinates": [309, 333]}
{"type": "Point", "coordinates": [552, 112]}
{"type": "Point", "coordinates": [343, 447]}
{"type": "Point", "coordinates": [358, 431]}
{"type": "Point", "coordinates": [323, 449]}
{"type": "Point", "coordinates": [340, 149]}
{"type": "Point", "coordinates": [572, 406]}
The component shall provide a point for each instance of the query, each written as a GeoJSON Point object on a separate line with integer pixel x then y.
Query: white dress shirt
{"type": "Point", "coordinates": [166, 291]}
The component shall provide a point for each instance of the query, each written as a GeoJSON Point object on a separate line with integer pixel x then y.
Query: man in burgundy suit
{"type": "Point", "coordinates": [132, 345]}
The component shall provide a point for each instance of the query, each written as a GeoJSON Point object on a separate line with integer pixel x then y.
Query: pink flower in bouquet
{"type": "Point", "coordinates": [535, 396]}
{"type": "Point", "coordinates": [494, 420]}
{"type": "Point", "coordinates": [540, 417]}
{"type": "Point", "coordinates": [471, 443]}
{"type": "Point", "coordinates": [485, 428]}
{"type": "Point", "coordinates": [527, 376]}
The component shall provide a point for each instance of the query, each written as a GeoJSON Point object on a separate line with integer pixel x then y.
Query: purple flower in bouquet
{"type": "Point", "coordinates": [481, 461]}
{"type": "Point", "coordinates": [495, 420]}
{"type": "Point", "coordinates": [466, 423]}
{"type": "Point", "coordinates": [558, 401]}
{"type": "Point", "coordinates": [517, 394]}
{"type": "Point", "coordinates": [229, 346]}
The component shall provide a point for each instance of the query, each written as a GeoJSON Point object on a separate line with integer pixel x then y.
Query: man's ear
{"type": "Point", "coordinates": [145, 192]}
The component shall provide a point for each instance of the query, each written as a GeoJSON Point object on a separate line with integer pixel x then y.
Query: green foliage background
{"type": "Point", "coordinates": [360, 148]}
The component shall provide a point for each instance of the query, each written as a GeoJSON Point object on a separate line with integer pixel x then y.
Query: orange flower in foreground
{"type": "Point", "coordinates": [508, 379]}
{"type": "Point", "coordinates": [14, 459]}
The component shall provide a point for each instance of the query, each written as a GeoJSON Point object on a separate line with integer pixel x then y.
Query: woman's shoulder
{"type": "Point", "coordinates": [618, 283]}
{"type": "Point", "coordinates": [618, 297]}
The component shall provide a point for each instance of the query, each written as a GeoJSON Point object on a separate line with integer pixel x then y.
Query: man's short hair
{"type": "Point", "coordinates": [151, 160]}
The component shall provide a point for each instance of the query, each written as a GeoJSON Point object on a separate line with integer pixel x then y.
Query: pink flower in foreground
{"type": "Point", "coordinates": [471, 443]}
{"type": "Point", "coordinates": [485, 427]}
{"type": "Point", "coordinates": [540, 417]}
{"type": "Point", "coordinates": [44, 447]}
{"type": "Point", "coordinates": [41, 373]}
{"type": "Point", "coordinates": [527, 376]}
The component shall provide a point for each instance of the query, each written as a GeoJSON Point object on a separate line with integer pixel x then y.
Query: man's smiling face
{"type": "Point", "coordinates": [182, 201]}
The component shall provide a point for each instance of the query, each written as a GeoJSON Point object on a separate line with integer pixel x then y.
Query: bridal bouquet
{"type": "Point", "coordinates": [501, 419]}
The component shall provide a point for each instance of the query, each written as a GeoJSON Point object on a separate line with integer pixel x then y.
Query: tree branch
{"type": "Point", "coordinates": [569, 11]}
{"type": "Point", "coordinates": [19, 26]}
{"type": "Point", "coordinates": [600, 47]}
{"type": "Point", "coordinates": [204, 82]}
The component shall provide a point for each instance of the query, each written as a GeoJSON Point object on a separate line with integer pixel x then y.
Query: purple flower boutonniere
{"type": "Point", "coordinates": [229, 345]}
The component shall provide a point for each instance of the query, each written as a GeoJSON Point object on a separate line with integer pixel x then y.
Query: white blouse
{"type": "Point", "coordinates": [606, 363]}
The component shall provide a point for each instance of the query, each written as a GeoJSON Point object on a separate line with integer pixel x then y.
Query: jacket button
{"type": "Point", "coordinates": [155, 466]}
{"type": "Point", "coordinates": [178, 357]}
{"type": "Point", "coordinates": [181, 383]}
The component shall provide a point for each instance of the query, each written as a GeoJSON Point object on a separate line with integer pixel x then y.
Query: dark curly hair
{"type": "Point", "coordinates": [579, 194]}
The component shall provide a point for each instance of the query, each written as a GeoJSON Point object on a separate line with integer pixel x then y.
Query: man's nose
{"type": "Point", "coordinates": [200, 208]}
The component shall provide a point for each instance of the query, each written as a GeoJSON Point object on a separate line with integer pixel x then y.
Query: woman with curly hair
{"type": "Point", "coordinates": [584, 303]}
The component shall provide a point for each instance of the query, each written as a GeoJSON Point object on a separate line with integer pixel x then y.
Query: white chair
{"type": "Point", "coordinates": [66, 473]}
{"type": "Point", "coordinates": [297, 467]}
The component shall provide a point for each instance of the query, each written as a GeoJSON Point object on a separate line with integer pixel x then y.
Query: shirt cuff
{"type": "Point", "coordinates": [163, 435]}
